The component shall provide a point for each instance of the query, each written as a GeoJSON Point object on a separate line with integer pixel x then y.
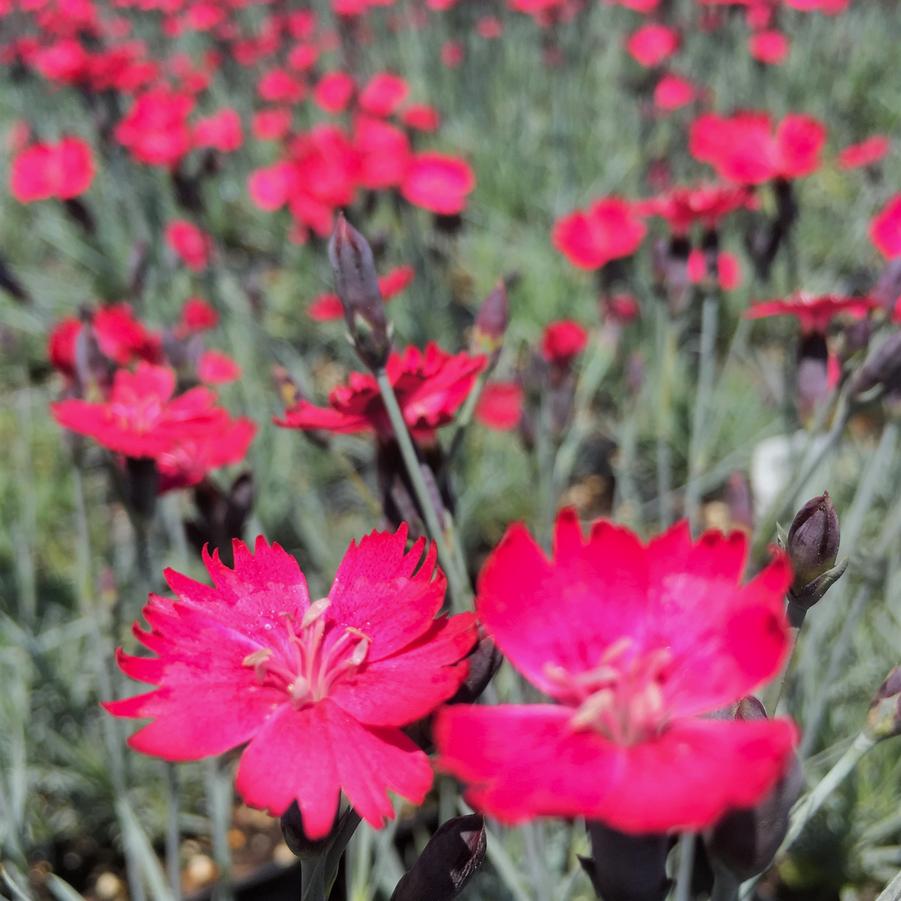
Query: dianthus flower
{"type": "Point", "coordinates": [706, 204]}
{"type": "Point", "coordinates": [563, 341]}
{"type": "Point", "coordinates": [141, 418]}
{"type": "Point", "coordinates": [156, 130]}
{"type": "Point", "coordinates": [813, 311]}
{"type": "Point", "coordinates": [430, 385]}
{"type": "Point", "coordinates": [634, 642]}
{"type": "Point", "coordinates": [438, 182]}
{"type": "Point", "coordinates": [62, 170]}
{"type": "Point", "coordinates": [187, 462]}
{"type": "Point", "coordinates": [318, 690]}
{"type": "Point", "coordinates": [885, 229]}
{"type": "Point", "coordinates": [191, 244]}
{"type": "Point", "coordinates": [746, 148]}
{"type": "Point", "coordinates": [609, 229]}
{"type": "Point", "coordinates": [865, 153]}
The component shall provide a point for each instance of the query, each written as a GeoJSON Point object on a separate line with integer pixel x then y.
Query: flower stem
{"type": "Point", "coordinates": [706, 372]}
{"type": "Point", "coordinates": [449, 560]}
{"type": "Point", "coordinates": [814, 800]}
{"type": "Point", "coordinates": [725, 884]}
{"type": "Point", "coordinates": [173, 839]}
{"type": "Point", "coordinates": [686, 866]}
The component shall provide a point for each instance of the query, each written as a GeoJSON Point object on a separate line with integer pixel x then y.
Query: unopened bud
{"type": "Point", "coordinates": [746, 841]}
{"type": "Point", "coordinates": [881, 368]}
{"type": "Point", "coordinates": [484, 661]}
{"type": "Point", "coordinates": [447, 863]}
{"type": "Point", "coordinates": [812, 542]}
{"type": "Point", "coordinates": [884, 717]}
{"type": "Point", "coordinates": [627, 867]}
{"type": "Point", "coordinates": [357, 284]}
{"type": "Point", "coordinates": [491, 321]}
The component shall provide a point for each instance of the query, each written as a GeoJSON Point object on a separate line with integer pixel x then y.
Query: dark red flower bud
{"type": "Point", "coordinates": [884, 717]}
{"type": "Point", "coordinates": [882, 367]}
{"type": "Point", "coordinates": [357, 284]}
{"type": "Point", "coordinates": [627, 867]}
{"type": "Point", "coordinates": [746, 841]}
{"type": "Point", "coordinates": [484, 661]}
{"type": "Point", "coordinates": [812, 542]}
{"type": "Point", "coordinates": [447, 863]}
{"type": "Point", "coordinates": [491, 321]}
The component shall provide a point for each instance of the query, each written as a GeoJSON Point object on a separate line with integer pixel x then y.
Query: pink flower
{"type": "Point", "coordinates": [156, 129]}
{"type": "Point", "coordinates": [634, 642]}
{"type": "Point", "coordinates": [141, 418]}
{"type": "Point", "coordinates": [563, 341]}
{"type": "Point", "coordinates": [814, 312]}
{"type": "Point", "coordinates": [62, 170]}
{"type": "Point", "coordinates": [421, 117]}
{"type": "Point", "coordinates": [673, 92]}
{"type": "Point", "coordinates": [191, 244]}
{"type": "Point", "coordinates": [317, 690]}
{"type": "Point", "coordinates": [383, 94]}
{"type": "Point", "coordinates": [500, 406]}
{"type": "Point", "coordinates": [217, 368]}
{"type": "Point", "coordinates": [221, 131]}
{"type": "Point", "coordinates": [187, 462]}
{"type": "Point", "coordinates": [608, 230]}
{"type": "Point", "coordinates": [197, 316]}
{"type": "Point", "coordinates": [430, 385]}
{"type": "Point", "coordinates": [745, 148]}
{"type": "Point", "coordinates": [333, 91]}
{"type": "Point", "coordinates": [885, 229]}
{"type": "Point", "coordinates": [653, 44]}
{"type": "Point", "coordinates": [437, 182]}
{"type": "Point", "coordinates": [867, 152]}
{"type": "Point", "coordinates": [769, 46]}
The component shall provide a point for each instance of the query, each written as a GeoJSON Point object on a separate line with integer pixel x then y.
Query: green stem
{"type": "Point", "coordinates": [686, 866]}
{"type": "Point", "coordinates": [725, 884]}
{"type": "Point", "coordinates": [411, 461]}
{"type": "Point", "coordinates": [773, 695]}
{"type": "Point", "coordinates": [219, 798]}
{"type": "Point", "coordinates": [814, 800]}
{"type": "Point", "coordinates": [663, 451]}
{"type": "Point", "coordinates": [464, 418]}
{"type": "Point", "coordinates": [173, 837]}
{"type": "Point", "coordinates": [706, 372]}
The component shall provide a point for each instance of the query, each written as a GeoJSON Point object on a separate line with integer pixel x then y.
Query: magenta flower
{"type": "Point", "coordinates": [318, 690]}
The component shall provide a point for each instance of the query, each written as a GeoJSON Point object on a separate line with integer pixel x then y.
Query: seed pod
{"type": "Point", "coordinates": [813, 541]}
{"type": "Point", "coordinates": [447, 863]}
{"type": "Point", "coordinates": [357, 284]}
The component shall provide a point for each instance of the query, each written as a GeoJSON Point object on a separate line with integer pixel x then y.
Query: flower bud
{"type": "Point", "coordinates": [812, 542]}
{"type": "Point", "coordinates": [484, 661]}
{"type": "Point", "coordinates": [884, 717]}
{"type": "Point", "coordinates": [491, 321]}
{"type": "Point", "coordinates": [447, 863]}
{"type": "Point", "coordinates": [746, 841]}
{"type": "Point", "coordinates": [627, 867]}
{"type": "Point", "coordinates": [357, 284]}
{"type": "Point", "coordinates": [881, 368]}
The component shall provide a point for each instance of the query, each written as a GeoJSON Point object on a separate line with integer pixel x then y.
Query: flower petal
{"type": "Point", "coordinates": [409, 684]}
{"type": "Point", "coordinates": [568, 611]}
{"type": "Point", "coordinates": [308, 755]}
{"type": "Point", "coordinates": [526, 761]}
{"type": "Point", "coordinates": [379, 590]}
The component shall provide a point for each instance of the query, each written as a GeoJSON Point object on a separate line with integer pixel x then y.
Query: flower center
{"type": "Point", "coordinates": [316, 659]}
{"type": "Point", "coordinates": [622, 698]}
